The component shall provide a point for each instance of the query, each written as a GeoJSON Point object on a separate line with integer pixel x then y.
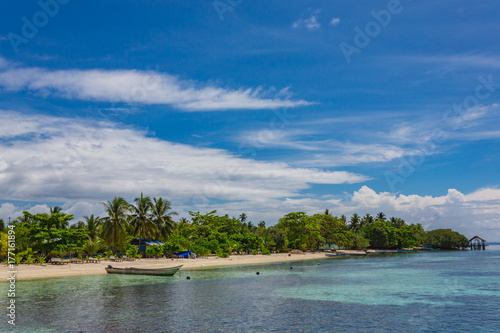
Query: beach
{"type": "Point", "coordinates": [26, 272]}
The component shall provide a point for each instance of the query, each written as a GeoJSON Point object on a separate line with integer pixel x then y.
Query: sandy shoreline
{"type": "Point", "coordinates": [26, 272]}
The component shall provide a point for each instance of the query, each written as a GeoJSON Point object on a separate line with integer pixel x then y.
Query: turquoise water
{"type": "Point", "coordinates": [414, 292]}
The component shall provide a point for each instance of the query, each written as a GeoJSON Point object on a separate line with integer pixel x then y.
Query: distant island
{"type": "Point", "coordinates": [41, 235]}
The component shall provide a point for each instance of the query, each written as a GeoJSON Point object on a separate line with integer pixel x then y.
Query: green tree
{"type": "Point", "coordinates": [380, 216]}
{"type": "Point", "coordinates": [141, 219]}
{"type": "Point", "coordinates": [93, 225]}
{"type": "Point", "coordinates": [162, 217]}
{"type": "Point", "coordinates": [115, 225]}
{"type": "Point", "coordinates": [294, 226]}
{"type": "Point", "coordinates": [355, 222]}
{"type": "Point", "coordinates": [445, 239]}
{"type": "Point", "coordinates": [397, 222]}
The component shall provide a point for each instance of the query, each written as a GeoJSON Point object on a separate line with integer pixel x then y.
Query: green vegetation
{"type": "Point", "coordinates": [42, 235]}
{"type": "Point", "coordinates": [445, 239]}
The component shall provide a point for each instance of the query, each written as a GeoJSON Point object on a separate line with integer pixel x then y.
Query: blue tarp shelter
{"type": "Point", "coordinates": [183, 254]}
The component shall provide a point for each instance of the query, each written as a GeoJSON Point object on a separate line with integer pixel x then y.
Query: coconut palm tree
{"type": "Point", "coordinates": [141, 219]}
{"type": "Point", "coordinates": [91, 246]}
{"type": "Point", "coordinates": [162, 218]}
{"type": "Point", "coordinates": [93, 224]}
{"type": "Point", "coordinates": [354, 222]}
{"type": "Point", "coordinates": [380, 217]}
{"type": "Point", "coordinates": [115, 225]}
{"type": "Point", "coordinates": [55, 210]}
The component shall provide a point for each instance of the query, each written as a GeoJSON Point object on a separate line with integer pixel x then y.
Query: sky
{"type": "Point", "coordinates": [256, 107]}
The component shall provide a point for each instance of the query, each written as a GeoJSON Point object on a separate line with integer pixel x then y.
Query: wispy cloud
{"type": "Point", "coordinates": [54, 159]}
{"type": "Point", "coordinates": [461, 60]}
{"type": "Point", "coordinates": [327, 152]}
{"type": "Point", "coordinates": [140, 87]}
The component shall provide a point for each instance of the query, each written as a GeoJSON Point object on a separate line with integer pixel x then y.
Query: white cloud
{"type": "Point", "coordinates": [139, 87]}
{"type": "Point", "coordinates": [310, 24]}
{"type": "Point", "coordinates": [335, 21]}
{"type": "Point", "coordinates": [325, 152]}
{"type": "Point", "coordinates": [59, 159]}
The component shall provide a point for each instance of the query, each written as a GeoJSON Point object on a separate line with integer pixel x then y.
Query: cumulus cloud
{"type": "Point", "coordinates": [140, 87]}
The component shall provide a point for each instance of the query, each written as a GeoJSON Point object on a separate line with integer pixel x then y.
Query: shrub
{"type": "Point", "coordinates": [266, 252]}
{"type": "Point", "coordinates": [132, 252]}
{"type": "Point", "coordinates": [41, 260]}
{"type": "Point", "coordinates": [255, 252]}
{"type": "Point", "coordinates": [222, 254]}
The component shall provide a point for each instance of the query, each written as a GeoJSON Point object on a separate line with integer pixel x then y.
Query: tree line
{"type": "Point", "coordinates": [209, 233]}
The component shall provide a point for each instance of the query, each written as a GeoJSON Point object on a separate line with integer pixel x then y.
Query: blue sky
{"type": "Point", "coordinates": [254, 106]}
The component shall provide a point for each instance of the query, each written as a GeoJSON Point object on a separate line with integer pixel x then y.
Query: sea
{"type": "Point", "coordinates": [438, 291]}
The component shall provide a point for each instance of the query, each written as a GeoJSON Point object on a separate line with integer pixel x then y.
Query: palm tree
{"type": "Point", "coordinates": [354, 222]}
{"type": "Point", "coordinates": [367, 219]}
{"type": "Point", "coordinates": [91, 246]}
{"type": "Point", "coordinates": [141, 218]}
{"type": "Point", "coordinates": [380, 216]}
{"type": "Point", "coordinates": [79, 225]}
{"type": "Point", "coordinates": [162, 218]}
{"type": "Point", "coordinates": [92, 224]}
{"type": "Point", "coordinates": [55, 210]}
{"type": "Point", "coordinates": [327, 212]}
{"type": "Point", "coordinates": [115, 225]}
{"type": "Point", "coordinates": [243, 217]}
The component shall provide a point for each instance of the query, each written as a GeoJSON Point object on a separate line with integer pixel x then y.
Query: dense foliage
{"type": "Point", "coordinates": [204, 234]}
{"type": "Point", "coordinates": [446, 239]}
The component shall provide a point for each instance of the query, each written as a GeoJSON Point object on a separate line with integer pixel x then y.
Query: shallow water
{"type": "Point", "coordinates": [414, 292]}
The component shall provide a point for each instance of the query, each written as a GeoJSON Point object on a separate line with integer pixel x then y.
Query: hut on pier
{"type": "Point", "coordinates": [477, 243]}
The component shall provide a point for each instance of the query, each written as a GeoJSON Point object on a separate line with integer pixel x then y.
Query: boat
{"type": "Point", "coordinates": [381, 251]}
{"type": "Point", "coordinates": [428, 248]}
{"type": "Point", "coordinates": [143, 271]}
{"type": "Point", "coordinates": [352, 252]}
{"type": "Point", "coordinates": [337, 255]}
{"type": "Point", "coordinates": [407, 250]}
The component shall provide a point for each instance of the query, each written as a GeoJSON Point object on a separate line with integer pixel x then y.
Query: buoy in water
{"type": "Point", "coordinates": [258, 273]}
{"type": "Point", "coordinates": [291, 267]}
{"type": "Point", "coordinates": [188, 278]}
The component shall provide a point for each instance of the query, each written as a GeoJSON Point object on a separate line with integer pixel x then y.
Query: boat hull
{"type": "Point", "coordinates": [144, 271]}
{"type": "Point", "coordinates": [351, 253]}
{"type": "Point", "coordinates": [335, 255]}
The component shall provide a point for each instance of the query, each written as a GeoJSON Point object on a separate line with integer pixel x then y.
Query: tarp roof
{"type": "Point", "coordinates": [145, 241]}
{"type": "Point", "coordinates": [476, 237]}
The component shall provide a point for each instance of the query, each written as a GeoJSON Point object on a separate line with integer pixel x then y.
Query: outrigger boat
{"type": "Point", "coordinates": [337, 255]}
{"type": "Point", "coordinates": [143, 271]}
{"type": "Point", "coordinates": [406, 250]}
{"type": "Point", "coordinates": [381, 251]}
{"type": "Point", "coordinates": [351, 252]}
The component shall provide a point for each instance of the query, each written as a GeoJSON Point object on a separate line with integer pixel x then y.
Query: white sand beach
{"type": "Point", "coordinates": [50, 271]}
